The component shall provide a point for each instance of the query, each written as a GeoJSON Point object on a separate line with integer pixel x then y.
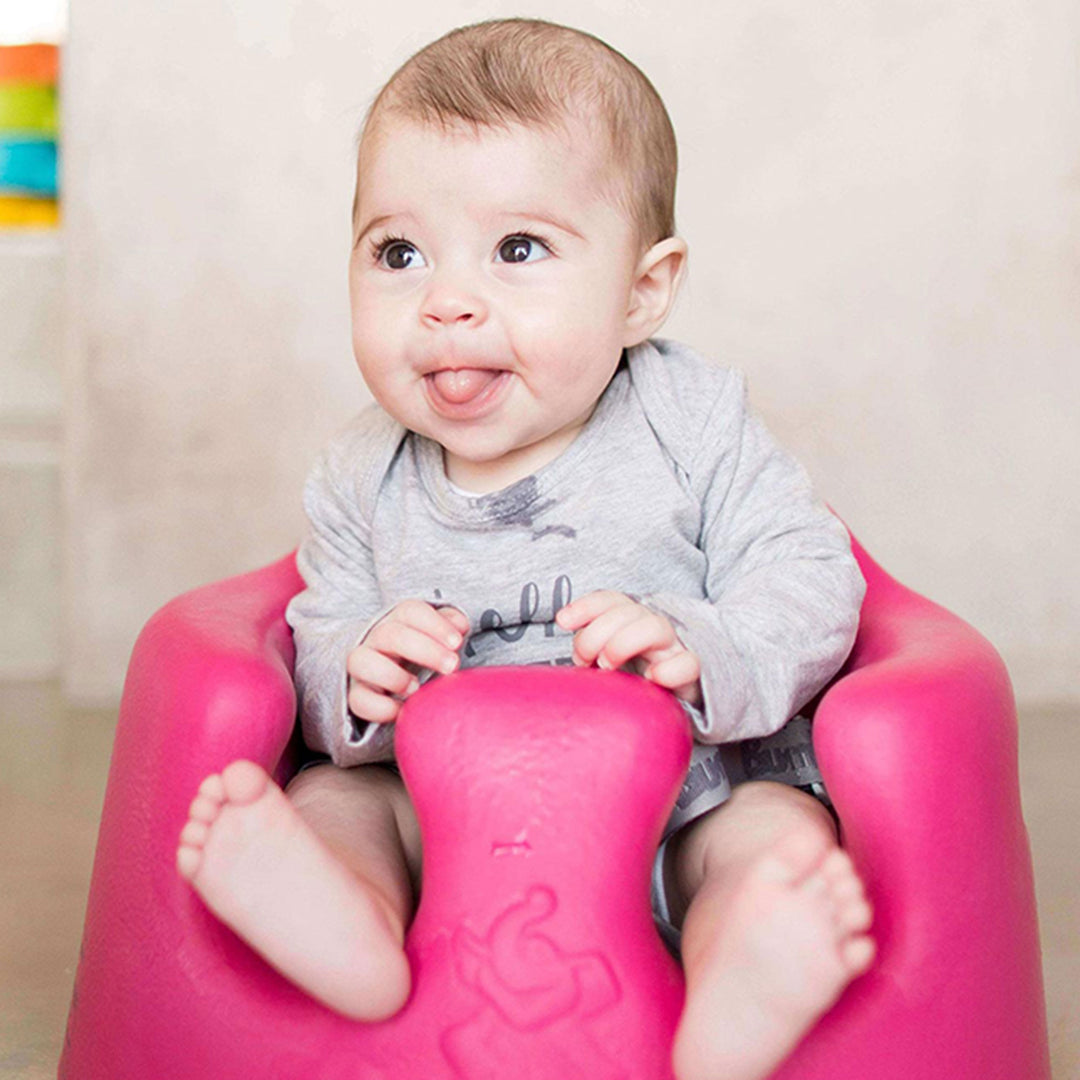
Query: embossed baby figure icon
{"type": "Point", "coordinates": [529, 985]}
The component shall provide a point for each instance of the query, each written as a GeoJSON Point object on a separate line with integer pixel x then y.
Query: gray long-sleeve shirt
{"type": "Point", "coordinates": [673, 492]}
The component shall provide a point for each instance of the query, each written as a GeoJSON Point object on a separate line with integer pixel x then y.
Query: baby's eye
{"type": "Point", "coordinates": [397, 254]}
{"type": "Point", "coordinates": [521, 247]}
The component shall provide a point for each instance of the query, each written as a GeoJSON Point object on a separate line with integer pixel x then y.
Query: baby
{"type": "Point", "coordinates": [543, 481]}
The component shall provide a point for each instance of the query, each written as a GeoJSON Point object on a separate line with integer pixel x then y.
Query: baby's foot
{"type": "Point", "coordinates": [262, 870]}
{"type": "Point", "coordinates": [786, 946]}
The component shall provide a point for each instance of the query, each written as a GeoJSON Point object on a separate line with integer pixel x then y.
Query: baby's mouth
{"type": "Point", "coordinates": [466, 393]}
{"type": "Point", "coordinates": [464, 384]}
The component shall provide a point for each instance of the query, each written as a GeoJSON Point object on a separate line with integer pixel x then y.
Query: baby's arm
{"type": "Point", "coordinates": [342, 601]}
{"type": "Point", "coordinates": [783, 590]}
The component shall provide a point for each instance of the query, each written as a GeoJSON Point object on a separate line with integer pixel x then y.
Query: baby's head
{"type": "Point", "coordinates": [542, 75]}
{"type": "Point", "coordinates": [499, 142]}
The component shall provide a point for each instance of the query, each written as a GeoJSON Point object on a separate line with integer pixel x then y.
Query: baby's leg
{"type": "Point", "coordinates": [774, 929]}
{"type": "Point", "coordinates": [320, 882]}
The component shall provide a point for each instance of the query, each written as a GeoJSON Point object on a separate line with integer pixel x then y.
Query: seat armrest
{"type": "Point", "coordinates": [917, 743]}
{"type": "Point", "coordinates": [210, 677]}
{"type": "Point", "coordinates": [920, 723]}
{"type": "Point", "coordinates": [209, 681]}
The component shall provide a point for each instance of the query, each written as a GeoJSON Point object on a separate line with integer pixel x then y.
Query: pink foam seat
{"type": "Point", "coordinates": [541, 798]}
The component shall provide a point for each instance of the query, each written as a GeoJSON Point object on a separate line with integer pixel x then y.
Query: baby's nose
{"type": "Point", "coordinates": [449, 304]}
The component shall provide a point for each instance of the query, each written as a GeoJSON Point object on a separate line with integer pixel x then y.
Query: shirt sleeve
{"type": "Point", "coordinates": [783, 590]}
{"type": "Point", "coordinates": [331, 616]}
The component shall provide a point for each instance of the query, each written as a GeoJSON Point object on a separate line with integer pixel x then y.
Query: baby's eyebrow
{"type": "Point", "coordinates": [547, 217]}
{"type": "Point", "coordinates": [378, 220]}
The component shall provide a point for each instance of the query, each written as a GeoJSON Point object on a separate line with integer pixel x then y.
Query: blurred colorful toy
{"type": "Point", "coordinates": [29, 125]}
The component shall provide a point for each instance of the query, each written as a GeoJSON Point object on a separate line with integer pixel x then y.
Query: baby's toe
{"type": "Point", "coordinates": [193, 838]}
{"type": "Point", "coordinates": [188, 860]}
{"type": "Point", "coordinates": [213, 788]}
{"type": "Point", "coordinates": [204, 809]}
{"type": "Point", "coordinates": [194, 834]}
{"type": "Point", "coordinates": [839, 871]}
{"type": "Point", "coordinates": [208, 801]}
{"type": "Point", "coordinates": [858, 954]}
{"type": "Point", "coordinates": [837, 868]}
{"type": "Point", "coordinates": [854, 916]}
{"type": "Point", "coordinates": [847, 890]}
{"type": "Point", "coordinates": [244, 782]}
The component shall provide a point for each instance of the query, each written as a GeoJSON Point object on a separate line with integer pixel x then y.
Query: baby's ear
{"type": "Point", "coordinates": [657, 277]}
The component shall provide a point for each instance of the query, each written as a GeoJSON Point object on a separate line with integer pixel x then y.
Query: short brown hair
{"type": "Point", "coordinates": [537, 73]}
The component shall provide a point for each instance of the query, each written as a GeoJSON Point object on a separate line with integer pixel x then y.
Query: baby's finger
{"type": "Point", "coordinates": [650, 636]}
{"type": "Point", "coordinates": [456, 617]}
{"type": "Point", "coordinates": [676, 672]}
{"type": "Point", "coordinates": [415, 646]}
{"type": "Point", "coordinates": [421, 616]}
{"type": "Point", "coordinates": [589, 607]}
{"type": "Point", "coordinates": [378, 671]}
{"type": "Point", "coordinates": [368, 704]}
{"type": "Point", "coordinates": [591, 643]}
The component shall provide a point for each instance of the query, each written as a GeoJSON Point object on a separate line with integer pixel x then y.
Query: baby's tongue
{"type": "Point", "coordinates": [464, 384]}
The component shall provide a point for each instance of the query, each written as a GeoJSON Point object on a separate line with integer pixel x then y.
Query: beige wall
{"type": "Point", "coordinates": [31, 320]}
{"type": "Point", "coordinates": [882, 206]}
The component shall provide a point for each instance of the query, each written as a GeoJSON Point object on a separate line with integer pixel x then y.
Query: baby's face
{"type": "Point", "coordinates": [489, 283]}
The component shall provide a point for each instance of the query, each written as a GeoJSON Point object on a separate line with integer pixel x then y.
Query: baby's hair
{"type": "Point", "coordinates": [541, 74]}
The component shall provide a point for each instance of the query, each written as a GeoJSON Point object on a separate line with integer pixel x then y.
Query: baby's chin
{"type": "Point", "coordinates": [481, 458]}
{"type": "Point", "coordinates": [484, 467]}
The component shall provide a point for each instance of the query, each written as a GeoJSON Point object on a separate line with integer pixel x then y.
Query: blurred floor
{"type": "Point", "coordinates": [55, 760]}
{"type": "Point", "coordinates": [55, 763]}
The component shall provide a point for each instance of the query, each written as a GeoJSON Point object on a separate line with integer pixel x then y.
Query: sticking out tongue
{"type": "Point", "coordinates": [464, 384]}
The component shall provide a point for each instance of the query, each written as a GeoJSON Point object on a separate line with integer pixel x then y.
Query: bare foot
{"type": "Point", "coordinates": [262, 870]}
{"type": "Point", "coordinates": [787, 945]}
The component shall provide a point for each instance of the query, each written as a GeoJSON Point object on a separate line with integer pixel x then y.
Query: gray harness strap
{"type": "Point", "coordinates": [786, 757]}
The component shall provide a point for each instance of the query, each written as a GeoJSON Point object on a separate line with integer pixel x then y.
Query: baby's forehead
{"type": "Point", "coordinates": [573, 136]}
{"type": "Point", "coordinates": [577, 131]}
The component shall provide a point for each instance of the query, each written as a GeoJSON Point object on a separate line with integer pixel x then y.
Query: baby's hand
{"type": "Point", "coordinates": [614, 630]}
{"type": "Point", "coordinates": [382, 667]}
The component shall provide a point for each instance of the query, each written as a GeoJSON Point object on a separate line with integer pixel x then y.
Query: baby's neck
{"type": "Point", "coordinates": [485, 477]}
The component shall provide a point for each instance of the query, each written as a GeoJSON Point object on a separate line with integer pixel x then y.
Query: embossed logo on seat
{"type": "Point", "coordinates": [528, 985]}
